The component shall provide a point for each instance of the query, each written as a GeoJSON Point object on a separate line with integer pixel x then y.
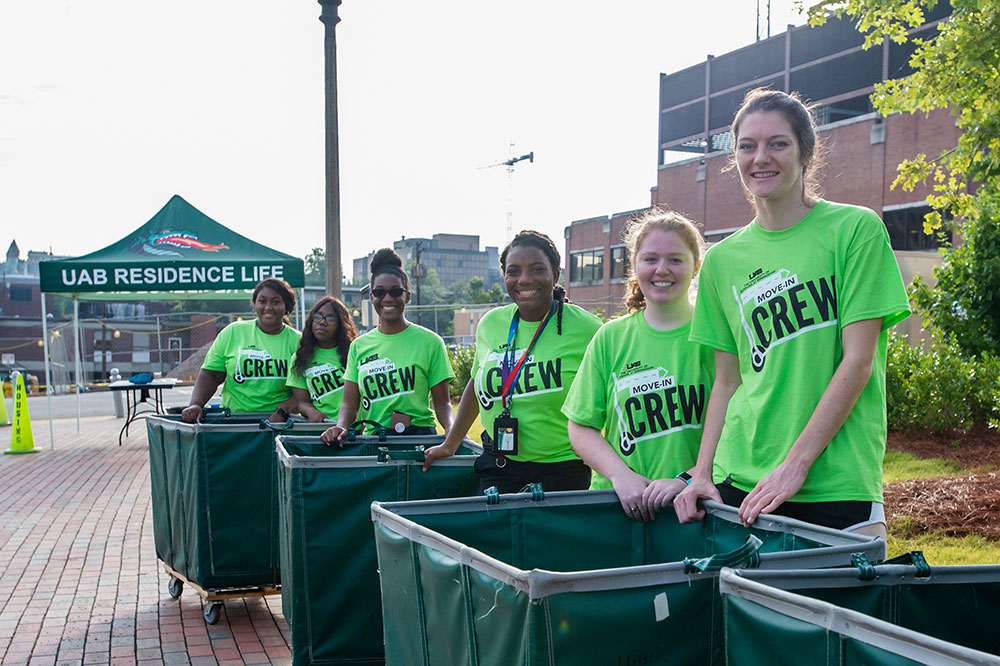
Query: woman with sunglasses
{"type": "Point", "coordinates": [392, 368]}
{"type": "Point", "coordinates": [250, 359]}
{"type": "Point", "coordinates": [527, 355]}
{"type": "Point", "coordinates": [316, 373]}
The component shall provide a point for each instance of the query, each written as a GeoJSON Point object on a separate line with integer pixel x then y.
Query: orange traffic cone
{"type": "Point", "coordinates": [21, 440]}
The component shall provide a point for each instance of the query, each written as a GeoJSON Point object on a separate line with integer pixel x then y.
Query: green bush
{"type": "Point", "coordinates": [461, 362]}
{"type": "Point", "coordinates": [940, 390]}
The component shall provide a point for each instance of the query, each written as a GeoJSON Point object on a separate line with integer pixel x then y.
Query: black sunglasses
{"type": "Point", "coordinates": [329, 319]}
{"type": "Point", "coordinates": [395, 292]}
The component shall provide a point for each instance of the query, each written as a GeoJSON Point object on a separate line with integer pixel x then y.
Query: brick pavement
{"type": "Point", "coordinates": [79, 580]}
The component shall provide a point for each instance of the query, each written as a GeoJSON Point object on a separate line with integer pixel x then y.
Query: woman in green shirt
{"type": "Point", "coordinates": [527, 355]}
{"type": "Point", "coordinates": [796, 305]}
{"type": "Point", "coordinates": [251, 357]}
{"type": "Point", "coordinates": [391, 369]}
{"type": "Point", "coordinates": [635, 409]}
{"type": "Point", "coordinates": [316, 374]}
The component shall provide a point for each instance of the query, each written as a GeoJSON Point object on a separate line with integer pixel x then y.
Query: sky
{"type": "Point", "coordinates": [110, 107]}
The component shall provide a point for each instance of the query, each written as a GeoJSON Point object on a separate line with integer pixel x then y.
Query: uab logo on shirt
{"type": "Point", "coordinates": [537, 376]}
{"type": "Point", "coordinates": [649, 403]}
{"type": "Point", "coordinates": [253, 363]}
{"type": "Point", "coordinates": [323, 379]}
{"type": "Point", "coordinates": [381, 379]}
{"type": "Point", "coordinates": [776, 307]}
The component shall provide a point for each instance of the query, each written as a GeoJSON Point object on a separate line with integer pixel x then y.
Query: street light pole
{"type": "Point", "coordinates": [334, 280]}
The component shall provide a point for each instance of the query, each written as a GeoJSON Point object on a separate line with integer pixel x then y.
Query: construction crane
{"type": "Point", "coordinates": [509, 163]}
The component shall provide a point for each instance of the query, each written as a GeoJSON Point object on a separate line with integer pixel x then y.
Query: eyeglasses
{"type": "Point", "coordinates": [395, 292]}
{"type": "Point", "coordinates": [331, 320]}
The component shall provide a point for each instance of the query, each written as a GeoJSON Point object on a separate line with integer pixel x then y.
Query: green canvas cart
{"type": "Point", "coordinates": [330, 592]}
{"type": "Point", "coordinates": [886, 615]}
{"type": "Point", "coordinates": [215, 502]}
{"type": "Point", "coordinates": [566, 578]}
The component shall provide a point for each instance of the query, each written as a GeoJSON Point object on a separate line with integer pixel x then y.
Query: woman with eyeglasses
{"type": "Point", "coordinates": [391, 369]}
{"type": "Point", "coordinates": [316, 373]}
{"type": "Point", "coordinates": [250, 359]}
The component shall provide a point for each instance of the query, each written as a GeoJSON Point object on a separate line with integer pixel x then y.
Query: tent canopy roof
{"type": "Point", "coordinates": [179, 250]}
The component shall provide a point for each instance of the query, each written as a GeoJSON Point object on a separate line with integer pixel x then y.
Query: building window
{"type": "Point", "coordinates": [22, 294]}
{"type": "Point", "coordinates": [906, 228]}
{"type": "Point", "coordinates": [586, 266]}
{"type": "Point", "coordinates": [619, 263]}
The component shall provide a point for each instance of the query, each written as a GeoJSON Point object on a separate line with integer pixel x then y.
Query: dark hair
{"type": "Point", "coordinates": [387, 261]}
{"type": "Point", "coordinates": [283, 289]}
{"type": "Point", "coordinates": [536, 239]}
{"type": "Point", "coordinates": [636, 232]}
{"type": "Point", "coordinates": [346, 332]}
{"type": "Point", "coordinates": [799, 117]}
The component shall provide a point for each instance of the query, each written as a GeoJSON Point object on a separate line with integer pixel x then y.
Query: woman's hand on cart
{"type": "Point", "coordinates": [445, 449]}
{"type": "Point", "coordinates": [774, 489]}
{"type": "Point", "coordinates": [629, 487]}
{"type": "Point", "coordinates": [686, 502]}
{"type": "Point", "coordinates": [660, 493]}
{"type": "Point", "coordinates": [334, 435]}
{"type": "Point", "coordinates": [191, 414]}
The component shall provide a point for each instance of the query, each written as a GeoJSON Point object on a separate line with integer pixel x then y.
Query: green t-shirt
{"type": "Point", "coordinates": [544, 380]}
{"type": "Point", "coordinates": [779, 299]}
{"type": "Point", "coordinates": [646, 390]}
{"type": "Point", "coordinates": [323, 378]}
{"type": "Point", "coordinates": [255, 363]}
{"type": "Point", "coordinates": [395, 373]}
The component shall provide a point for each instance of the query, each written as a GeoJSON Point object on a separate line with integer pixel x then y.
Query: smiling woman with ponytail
{"type": "Point", "coordinates": [527, 355]}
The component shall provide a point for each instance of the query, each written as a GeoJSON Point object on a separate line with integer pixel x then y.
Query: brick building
{"type": "Point", "coordinates": [829, 68]}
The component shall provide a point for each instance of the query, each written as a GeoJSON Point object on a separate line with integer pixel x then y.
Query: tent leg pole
{"type": "Point", "coordinates": [76, 354]}
{"type": "Point", "coordinates": [302, 309]}
{"type": "Point", "coordinates": [48, 374]}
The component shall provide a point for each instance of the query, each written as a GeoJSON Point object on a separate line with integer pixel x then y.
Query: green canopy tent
{"type": "Point", "coordinates": [179, 250]}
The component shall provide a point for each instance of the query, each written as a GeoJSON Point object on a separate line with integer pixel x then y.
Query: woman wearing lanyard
{"type": "Point", "coordinates": [635, 410]}
{"type": "Point", "coordinates": [316, 371]}
{"type": "Point", "coordinates": [391, 369]}
{"type": "Point", "coordinates": [527, 355]}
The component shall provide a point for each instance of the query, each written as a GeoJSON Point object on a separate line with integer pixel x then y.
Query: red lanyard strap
{"type": "Point", "coordinates": [508, 372]}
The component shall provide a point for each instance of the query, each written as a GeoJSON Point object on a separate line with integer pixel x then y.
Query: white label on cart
{"type": "Point", "coordinates": [661, 607]}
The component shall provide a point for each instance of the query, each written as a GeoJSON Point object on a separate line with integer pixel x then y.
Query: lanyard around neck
{"type": "Point", "coordinates": [511, 370]}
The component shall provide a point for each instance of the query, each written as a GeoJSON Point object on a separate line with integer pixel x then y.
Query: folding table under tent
{"type": "Point", "coordinates": [179, 250]}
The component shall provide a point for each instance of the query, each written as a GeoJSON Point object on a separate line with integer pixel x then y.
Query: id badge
{"type": "Point", "coordinates": [505, 435]}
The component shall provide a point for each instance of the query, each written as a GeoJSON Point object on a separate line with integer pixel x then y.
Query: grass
{"type": "Point", "coordinates": [939, 549]}
{"type": "Point", "coordinates": [899, 466]}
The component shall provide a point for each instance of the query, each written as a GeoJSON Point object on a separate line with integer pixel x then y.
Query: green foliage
{"type": "Point", "coordinates": [315, 267]}
{"type": "Point", "coordinates": [965, 302]}
{"type": "Point", "coordinates": [940, 390]}
{"type": "Point", "coordinates": [461, 362]}
{"type": "Point", "coordinates": [957, 69]}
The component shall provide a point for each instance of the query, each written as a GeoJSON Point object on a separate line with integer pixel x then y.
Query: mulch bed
{"type": "Point", "coordinates": [956, 506]}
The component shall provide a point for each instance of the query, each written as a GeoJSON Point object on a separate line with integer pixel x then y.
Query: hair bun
{"type": "Point", "coordinates": [384, 257]}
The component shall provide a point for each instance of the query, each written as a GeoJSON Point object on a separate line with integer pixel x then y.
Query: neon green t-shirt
{"type": "Point", "coordinates": [779, 299]}
{"type": "Point", "coordinates": [255, 363]}
{"type": "Point", "coordinates": [544, 380]}
{"type": "Point", "coordinates": [323, 378]}
{"type": "Point", "coordinates": [646, 390]}
{"type": "Point", "coordinates": [395, 373]}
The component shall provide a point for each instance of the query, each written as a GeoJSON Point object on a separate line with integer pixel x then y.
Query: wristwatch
{"type": "Point", "coordinates": [280, 411]}
{"type": "Point", "coordinates": [684, 476]}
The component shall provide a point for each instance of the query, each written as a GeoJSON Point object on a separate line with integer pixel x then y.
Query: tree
{"type": "Point", "coordinates": [315, 267]}
{"type": "Point", "coordinates": [959, 70]}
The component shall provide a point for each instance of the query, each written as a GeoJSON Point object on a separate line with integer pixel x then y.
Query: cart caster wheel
{"type": "Point", "coordinates": [211, 612]}
{"type": "Point", "coordinates": [175, 587]}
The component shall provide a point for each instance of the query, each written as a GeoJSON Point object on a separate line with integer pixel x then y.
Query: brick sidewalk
{"type": "Point", "coordinates": [79, 578]}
